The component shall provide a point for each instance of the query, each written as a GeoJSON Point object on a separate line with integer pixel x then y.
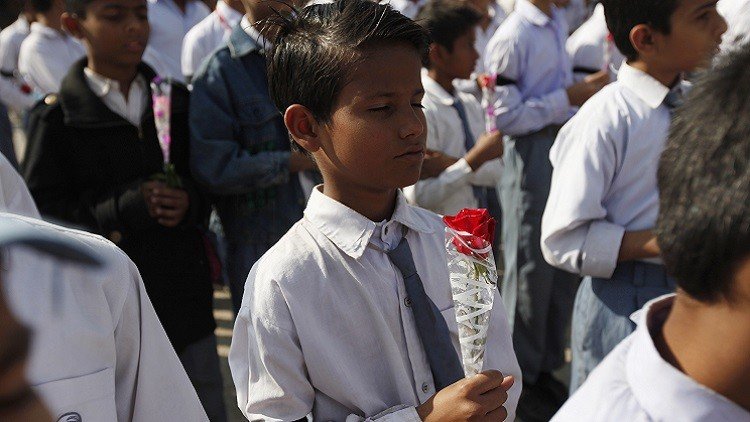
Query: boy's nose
{"type": "Point", "coordinates": [413, 124]}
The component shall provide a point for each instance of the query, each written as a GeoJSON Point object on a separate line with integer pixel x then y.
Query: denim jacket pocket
{"type": "Point", "coordinates": [259, 122]}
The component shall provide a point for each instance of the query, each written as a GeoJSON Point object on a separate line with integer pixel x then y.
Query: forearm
{"type": "Point", "coordinates": [637, 245]}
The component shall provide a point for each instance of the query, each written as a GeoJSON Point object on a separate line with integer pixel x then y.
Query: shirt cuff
{"type": "Point", "coordinates": [458, 170]}
{"type": "Point", "coordinates": [560, 105]}
{"type": "Point", "coordinates": [601, 248]}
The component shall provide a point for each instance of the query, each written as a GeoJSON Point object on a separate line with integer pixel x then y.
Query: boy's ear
{"type": "Point", "coordinates": [642, 38]}
{"type": "Point", "coordinates": [71, 25]}
{"type": "Point", "coordinates": [303, 127]}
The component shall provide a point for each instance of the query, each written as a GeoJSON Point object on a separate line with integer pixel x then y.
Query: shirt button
{"type": "Point", "coordinates": [407, 302]}
{"type": "Point", "coordinates": [425, 387]}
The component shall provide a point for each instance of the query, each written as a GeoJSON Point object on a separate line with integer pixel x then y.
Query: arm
{"type": "Point", "coordinates": [576, 236]}
{"type": "Point", "coordinates": [218, 160]}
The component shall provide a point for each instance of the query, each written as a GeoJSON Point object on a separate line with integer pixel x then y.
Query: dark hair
{"type": "Point", "coordinates": [703, 228]}
{"type": "Point", "coordinates": [446, 21]}
{"type": "Point", "coordinates": [315, 49]}
{"type": "Point", "coordinates": [41, 6]}
{"type": "Point", "coordinates": [623, 15]}
{"type": "Point", "coordinates": [77, 6]}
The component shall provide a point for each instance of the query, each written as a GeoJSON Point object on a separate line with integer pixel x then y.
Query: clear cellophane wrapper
{"type": "Point", "coordinates": [473, 278]}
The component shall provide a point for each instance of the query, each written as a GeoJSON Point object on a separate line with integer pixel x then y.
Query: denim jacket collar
{"type": "Point", "coordinates": [242, 44]}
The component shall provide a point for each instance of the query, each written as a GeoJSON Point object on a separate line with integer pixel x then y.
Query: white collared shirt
{"type": "Point", "coordinates": [737, 14]}
{"type": "Point", "coordinates": [408, 8]}
{"type": "Point", "coordinates": [10, 43]}
{"type": "Point", "coordinates": [604, 177]}
{"type": "Point", "coordinates": [208, 35]}
{"type": "Point", "coordinates": [634, 383]}
{"type": "Point", "coordinates": [15, 197]}
{"type": "Point", "coordinates": [169, 24]}
{"type": "Point", "coordinates": [98, 348]}
{"type": "Point", "coordinates": [588, 47]}
{"type": "Point", "coordinates": [452, 190]}
{"type": "Point", "coordinates": [325, 326]}
{"type": "Point", "coordinates": [529, 50]}
{"type": "Point", "coordinates": [46, 56]}
{"type": "Point", "coordinates": [109, 91]}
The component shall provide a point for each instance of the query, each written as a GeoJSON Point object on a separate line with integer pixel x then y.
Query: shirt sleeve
{"type": "Point", "coordinates": [489, 174]}
{"type": "Point", "coordinates": [515, 114]}
{"type": "Point", "coordinates": [218, 160]}
{"type": "Point", "coordinates": [576, 236]}
{"type": "Point", "coordinates": [151, 383]}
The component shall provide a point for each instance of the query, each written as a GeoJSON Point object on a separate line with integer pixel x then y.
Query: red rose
{"type": "Point", "coordinates": [26, 89]}
{"type": "Point", "coordinates": [475, 227]}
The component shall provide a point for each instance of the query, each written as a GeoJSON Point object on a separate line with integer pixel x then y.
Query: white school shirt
{"type": "Point", "coordinates": [634, 383]}
{"type": "Point", "coordinates": [737, 15]}
{"type": "Point", "coordinates": [13, 97]}
{"type": "Point", "coordinates": [576, 14]}
{"type": "Point", "coordinates": [10, 43]}
{"type": "Point", "coordinates": [168, 28]}
{"type": "Point", "coordinates": [108, 91]}
{"type": "Point", "coordinates": [452, 190]}
{"type": "Point", "coordinates": [408, 8]}
{"type": "Point", "coordinates": [14, 195]}
{"type": "Point", "coordinates": [604, 174]}
{"type": "Point", "coordinates": [325, 326]}
{"type": "Point", "coordinates": [46, 56]}
{"type": "Point", "coordinates": [588, 46]}
{"type": "Point", "coordinates": [529, 50]}
{"type": "Point", "coordinates": [207, 36]}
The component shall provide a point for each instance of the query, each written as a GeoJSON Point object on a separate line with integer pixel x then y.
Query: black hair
{"type": "Point", "coordinates": [41, 6]}
{"type": "Point", "coordinates": [315, 49]}
{"type": "Point", "coordinates": [446, 21]}
{"type": "Point", "coordinates": [623, 15]}
{"type": "Point", "coordinates": [77, 6]}
{"type": "Point", "coordinates": [703, 228]}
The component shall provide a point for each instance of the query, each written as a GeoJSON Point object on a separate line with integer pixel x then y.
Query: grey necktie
{"type": "Point", "coordinates": [479, 193]}
{"type": "Point", "coordinates": [433, 330]}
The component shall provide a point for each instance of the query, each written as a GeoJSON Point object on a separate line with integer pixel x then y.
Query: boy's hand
{"type": "Point", "coordinates": [298, 161]}
{"type": "Point", "coordinates": [579, 93]}
{"type": "Point", "coordinates": [479, 398]}
{"type": "Point", "coordinates": [434, 163]}
{"type": "Point", "coordinates": [168, 205]}
{"type": "Point", "coordinates": [488, 147]}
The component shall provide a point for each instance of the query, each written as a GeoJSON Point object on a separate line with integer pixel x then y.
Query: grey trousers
{"type": "Point", "coordinates": [538, 297]}
{"type": "Point", "coordinates": [201, 362]}
{"type": "Point", "coordinates": [601, 318]}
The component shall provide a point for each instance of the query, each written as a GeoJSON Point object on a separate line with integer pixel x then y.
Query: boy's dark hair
{"type": "Point", "coordinates": [315, 49]}
{"type": "Point", "coordinates": [446, 21]}
{"type": "Point", "coordinates": [703, 228]}
{"type": "Point", "coordinates": [623, 15]}
{"type": "Point", "coordinates": [77, 6]}
{"type": "Point", "coordinates": [41, 6]}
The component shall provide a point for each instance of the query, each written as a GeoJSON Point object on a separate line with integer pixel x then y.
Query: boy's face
{"type": "Point", "coordinates": [460, 62]}
{"type": "Point", "coordinates": [375, 141]}
{"type": "Point", "coordinates": [115, 31]}
{"type": "Point", "coordinates": [694, 39]}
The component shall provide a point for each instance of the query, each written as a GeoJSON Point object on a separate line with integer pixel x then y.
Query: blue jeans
{"type": "Point", "coordinates": [601, 314]}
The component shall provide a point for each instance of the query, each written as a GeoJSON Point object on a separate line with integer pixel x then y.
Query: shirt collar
{"type": "Point", "coordinates": [648, 89]}
{"type": "Point", "coordinates": [102, 85]}
{"type": "Point", "coordinates": [532, 13]}
{"type": "Point", "coordinates": [662, 390]}
{"type": "Point", "coordinates": [349, 230]}
{"type": "Point", "coordinates": [232, 16]}
{"type": "Point", "coordinates": [46, 31]}
{"type": "Point", "coordinates": [241, 42]}
{"type": "Point", "coordinates": [433, 89]}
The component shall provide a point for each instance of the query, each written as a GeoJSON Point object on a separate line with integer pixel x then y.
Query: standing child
{"type": "Point", "coordinates": [209, 35]}
{"type": "Point", "coordinates": [454, 119]}
{"type": "Point", "coordinates": [92, 156]}
{"type": "Point", "coordinates": [689, 358]}
{"type": "Point", "coordinates": [604, 200]}
{"type": "Point", "coordinates": [534, 97]}
{"type": "Point", "coordinates": [326, 326]}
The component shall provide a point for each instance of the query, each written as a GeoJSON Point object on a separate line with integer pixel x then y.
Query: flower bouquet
{"type": "Point", "coordinates": [161, 95]}
{"type": "Point", "coordinates": [473, 277]}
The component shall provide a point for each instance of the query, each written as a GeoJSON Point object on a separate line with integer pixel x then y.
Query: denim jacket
{"type": "Point", "coordinates": [240, 146]}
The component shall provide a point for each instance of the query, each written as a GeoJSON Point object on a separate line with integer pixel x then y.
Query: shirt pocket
{"type": "Point", "coordinates": [84, 398]}
{"type": "Point", "coordinates": [259, 124]}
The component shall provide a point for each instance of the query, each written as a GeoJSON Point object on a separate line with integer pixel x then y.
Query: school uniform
{"type": "Point", "coordinates": [15, 197]}
{"type": "Point", "coordinates": [46, 56]}
{"type": "Point", "coordinates": [737, 15]}
{"type": "Point", "coordinates": [89, 152]}
{"type": "Point", "coordinates": [11, 38]}
{"type": "Point", "coordinates": [453, 132]}
{"type": "Point", "coordinates": [326, 322]}
{"type": "Point", "coordinates": [635, 383]}
{"type": "Point", "coordinates": [207, 36]}
{"type": "Point", "coordinates": [169, 24]}
{"type": "Point", "coordinates": [588, 47]}
{"type": "Point", "coordinates": [528, 52]}
{"type": "Point", "coordinates": [604, 184]}
{"type": "Point", "coordinates": [98, 352]}
{"type": "Point", "coordinates": [576, 14]}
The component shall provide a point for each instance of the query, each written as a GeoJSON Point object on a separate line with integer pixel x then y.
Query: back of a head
{"type": "Point", "coordinates": [623, 15]}
{"type": "Point", "coordinates": [316, 49]}
{"type": "Point", "coordinates": [447, 20]}
{"type": "Point", "coordinates": [703, 228]}
{"type": "Point", "coordinates": [41, 6]}
{"type": "Point", "coordinates": [77, 7]}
